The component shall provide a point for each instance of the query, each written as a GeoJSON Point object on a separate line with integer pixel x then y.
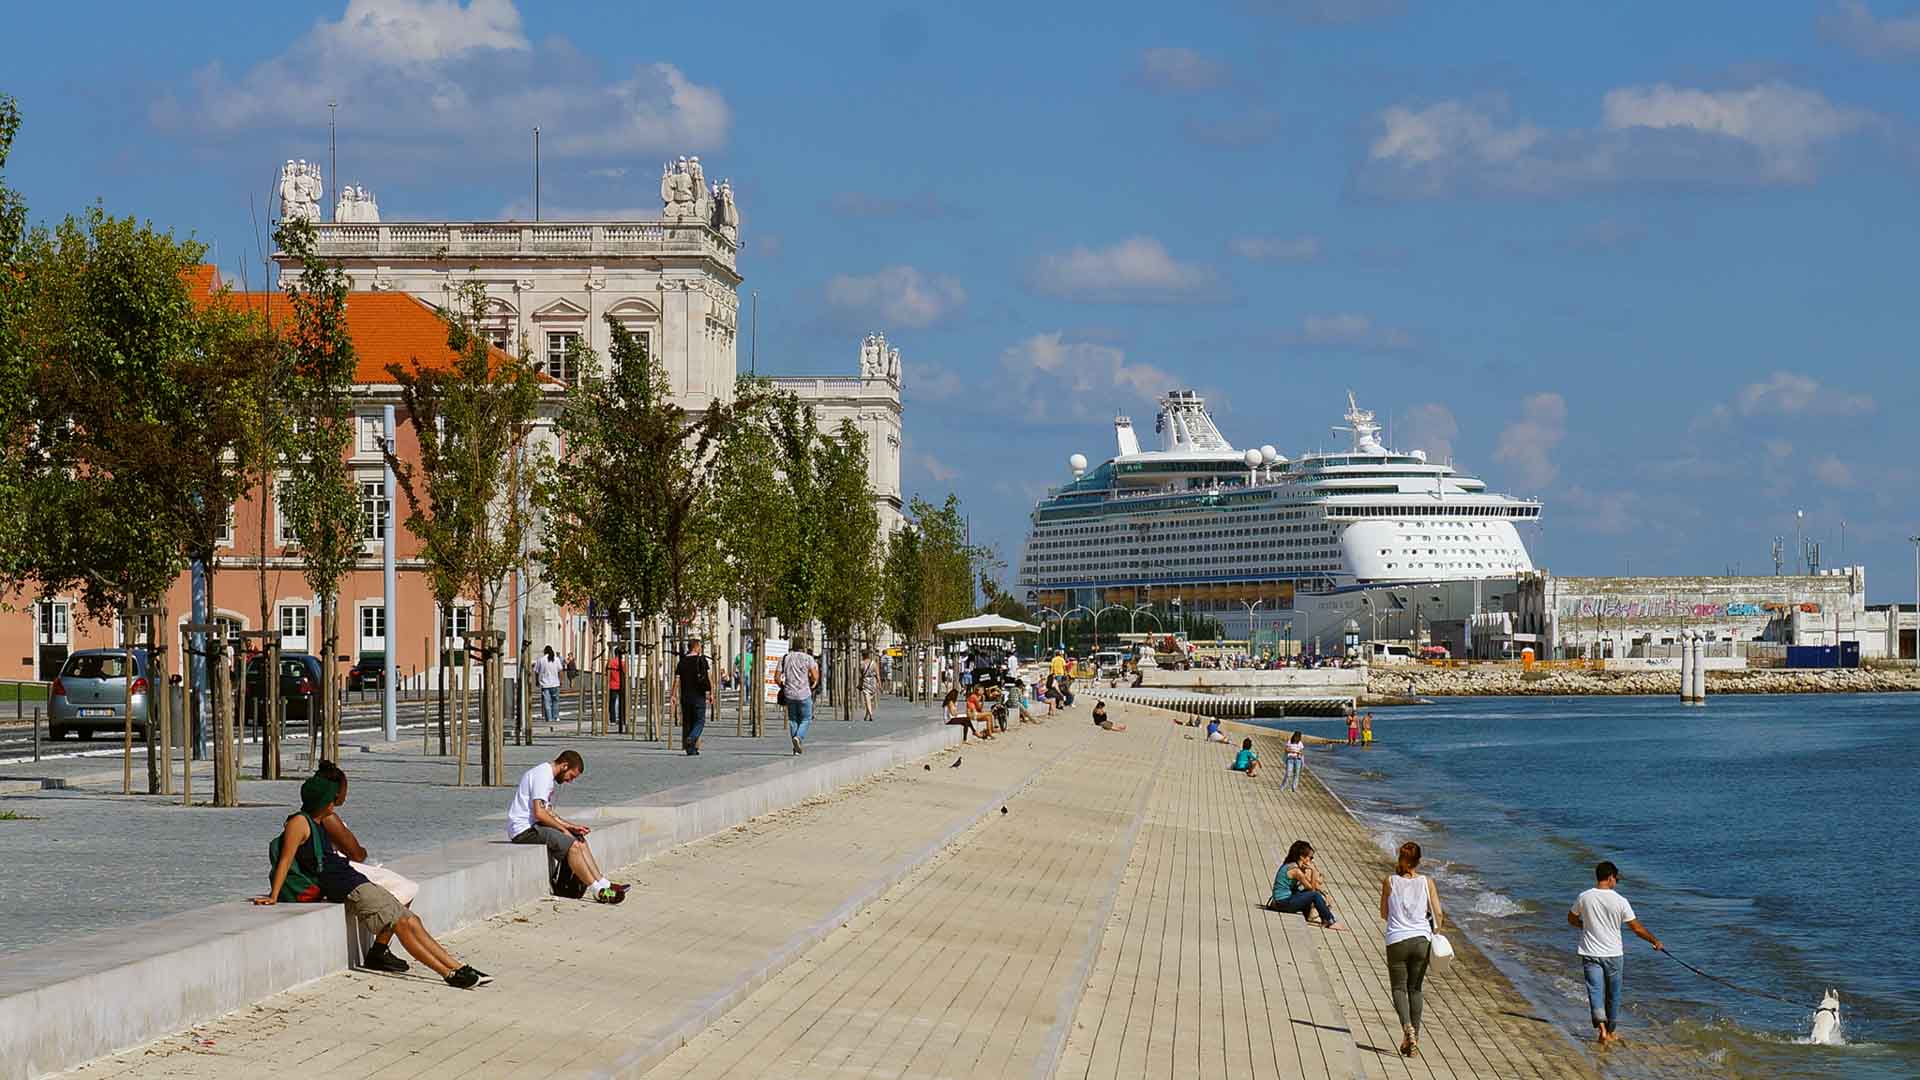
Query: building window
{"type": "Point", "coordinates": [374, 508]}
{"type": "Point", "coordinates": [372, 433]}
{"type": "Point", "coordinates": [373, 628]}
{"type": "Point", "coordinates": [499, 335]}
{"type": "Point", "coordinates": [293, 625]}
{"type": "Point", "coordinates": [224, 537]}
{"type": "Point", "coordinates": [282, 529]}
{"type": "Point", "coordinates": [560, 359]}
{"type": "Point", "coordinates": [53, 622]}
{"type": "Point", "coordinates": [459, 625]}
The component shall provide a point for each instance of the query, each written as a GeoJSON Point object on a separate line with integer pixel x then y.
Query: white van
{"type": "Point", "coordinates": [1107, 665]}
{"type": "Point", "coordinates": [1382, 652]}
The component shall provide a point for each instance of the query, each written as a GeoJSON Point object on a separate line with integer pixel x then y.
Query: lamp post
{"type": "Point", "coordinates": [1250, 607]}
{"type": "Point", "coordinates": [1063, 624]}
{"type": "Point", "coordinates": [1043, 626]}
{"type": "Point", "coordinates": [1096, 622]}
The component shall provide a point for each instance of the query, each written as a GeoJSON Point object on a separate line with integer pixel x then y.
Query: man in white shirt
{"type": "Point", "coordinates": [1599, 913]}
{"type": "Point", "coordinates": [546, 675]}
{"type": "Point", "coordinates": [531, 820]}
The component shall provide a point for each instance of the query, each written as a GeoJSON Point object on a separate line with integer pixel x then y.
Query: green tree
{"type": "Point", "coordinates": [320, 499]}
{"type": "Point", "coordinates": [758, 525]}
{"type": "Point", "coordinates": [15, 369]}
{"type": "Point", "coordinates": [851, 580]}
{"type": "Point", "coordinates": [796, 439]}
{"type": "Point", "coordinates": [472, 419]}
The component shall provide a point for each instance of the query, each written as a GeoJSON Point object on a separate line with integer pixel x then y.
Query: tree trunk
{"type": "Point", "coordinates": [446, 672]}
{"type": "Point", "coordinates": [126, 748]}
{"type": "Point", "coordinates": [329, 734]}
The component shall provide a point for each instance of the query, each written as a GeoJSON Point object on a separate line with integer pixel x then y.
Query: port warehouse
{"type": "Point", "coordinates": [1748, 618]}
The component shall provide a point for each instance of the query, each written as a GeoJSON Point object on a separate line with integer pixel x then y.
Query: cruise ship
{"type": "Point", "coordinates": [1224, 530]}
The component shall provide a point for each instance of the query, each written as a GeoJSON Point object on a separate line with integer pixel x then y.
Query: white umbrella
{"type": "Point", "coordinates": [987, 624]}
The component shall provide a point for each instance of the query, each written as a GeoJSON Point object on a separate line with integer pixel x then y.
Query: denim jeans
{"type": "Point", "coordinates": [1291, 781]}
{"type": "Point", "coordinates": [1299, 902]}
{"type": "Point", "coordinates": [549, 702]}
{"type": "Point", "coordinates": [693, 717]}
{"type": "Point", "coordinates": [799, 717]}
{"type": "Point", "coordinates": [1603, 988]}
{"type": "Point", "coordinates": [614, 719]}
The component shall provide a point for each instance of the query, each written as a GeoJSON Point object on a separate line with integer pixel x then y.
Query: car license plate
{"type": "Point", "coordinates": [96, 712]}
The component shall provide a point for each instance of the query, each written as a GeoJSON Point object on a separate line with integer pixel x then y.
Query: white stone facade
{"type": "Point", "coordinates": [871, 400]}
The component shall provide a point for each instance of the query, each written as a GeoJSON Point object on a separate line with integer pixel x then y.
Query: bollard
{"type": "Point", "coordinates": [1686, 666]}
{"type": "Point", "coordinates": [36, 734]}
{"type": "Point", "coordinates": [1700, 673]}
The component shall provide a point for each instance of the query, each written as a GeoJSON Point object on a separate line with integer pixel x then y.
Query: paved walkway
{"type": "Point", "coordinates": [83, 860]}
{"type": "Point", "coordinates": [1108, 925]}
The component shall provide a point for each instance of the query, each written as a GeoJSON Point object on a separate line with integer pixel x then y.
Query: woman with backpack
{"type": "Point", "coordinates": [308, 868]}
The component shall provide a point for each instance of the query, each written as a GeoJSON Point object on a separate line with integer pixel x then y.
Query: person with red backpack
{"type": "Point", "coordinates": [308, 868]}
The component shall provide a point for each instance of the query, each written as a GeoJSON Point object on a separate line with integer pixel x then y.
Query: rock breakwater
{"type": "Point", "coordinates": [1501, 679]}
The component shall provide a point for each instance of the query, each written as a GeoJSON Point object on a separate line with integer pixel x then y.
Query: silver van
{"type": "Point", "coordinates": [90, 694]}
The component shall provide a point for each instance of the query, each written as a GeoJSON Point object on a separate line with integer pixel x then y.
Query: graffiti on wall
{"type": "Point", "coordinates": [1601, 607]}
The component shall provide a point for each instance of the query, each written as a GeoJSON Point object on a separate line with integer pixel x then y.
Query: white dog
{"type": "Point", "coordinates": [1826, 1021]}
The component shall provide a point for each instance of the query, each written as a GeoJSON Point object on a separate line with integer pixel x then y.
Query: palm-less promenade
{"type": "Point", "coordinates": [1108, 924]}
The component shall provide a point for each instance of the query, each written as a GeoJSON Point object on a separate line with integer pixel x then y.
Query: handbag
{"type": "Point", "coordinates": [1440, 953]}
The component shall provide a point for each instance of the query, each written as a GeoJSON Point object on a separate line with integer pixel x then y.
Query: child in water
{"type": "Point", "coordinates": [1366, 730]}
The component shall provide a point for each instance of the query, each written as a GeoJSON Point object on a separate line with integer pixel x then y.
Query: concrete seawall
{"type": "Point", "coordinates": [60, 1006]}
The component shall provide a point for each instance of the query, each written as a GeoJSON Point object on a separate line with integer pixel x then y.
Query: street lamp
{"type": "Point", "coordinates": [1043, 626]}
{"type": "Point", "coordinates": [1250, 608]}
{"type": "Point", "coordinates": [1096, 622]}
{"type": "Point", "coordinates": [1063, 624]}
{"type": "Point", "coordinates": [1139, 610]}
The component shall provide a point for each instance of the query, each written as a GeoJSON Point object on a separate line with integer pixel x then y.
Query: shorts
{"type": "Point", "coordinates": [376, 908]}
{"type": "Point", "coordinates": [558, 841]}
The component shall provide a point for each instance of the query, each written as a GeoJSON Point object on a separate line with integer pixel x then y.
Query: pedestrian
{"type": "Point", "coordinates": [1297, 887]}
{"type": "Point", "coordinates": [546, 675]}
{"type": "Point", "coordinates": [1100, 718]}
{"type": "Point", "coordinates": [869, 681]}
{"type": "Point", "coordinates": [573, 670]}
{"type": "Point", "coordinates": [308, 868]}
{"type": "Point", "coordinates": [1066, 690]}
{"type": "Point", "coordinates": [1247, 760]}
{"type": "Point", "coordinates": [693, 689]}
{"type": "Point", "coordinates": [799, 675]}
{"type": "Point", "coordinates": [1353, 729]}
{"type": "Point", "coordinates": [531, 820]}
{"type": "Point", "coordinates": [616, 718]}
{"type": "Point", "coordinates": [1366, 731]}
{"type": "Point", "coordinates": [1411, 907]}
{"type": "Point", "coordinates": [1598, 914]}
{"type": "Point", "coordinates": [1296, 760]}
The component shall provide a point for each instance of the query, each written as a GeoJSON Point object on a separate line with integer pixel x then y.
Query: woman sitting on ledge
{"type": "Point", "coordinates": [308, 868]}
{"type": "Point", "coordinates": [977, 713]}
{"type": "Point", "coordinates": [950, 705]}
{"type": "Point", "coordinates": [1298, 887]}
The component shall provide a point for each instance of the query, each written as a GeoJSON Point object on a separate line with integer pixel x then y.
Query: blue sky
{"type": "Point", "coordinates": [1652, 263]}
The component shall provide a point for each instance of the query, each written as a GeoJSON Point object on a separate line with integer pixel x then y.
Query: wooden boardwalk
{"type": "Point", "coordinates": [1109, 925]}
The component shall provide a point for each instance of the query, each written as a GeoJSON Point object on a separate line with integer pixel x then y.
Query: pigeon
{"type": "Point", "coordinates": [929, 768]}
{"type": "Point", "coordinates": [956, 763]}
{"type": "Point", "coordinates": [1003, 809]}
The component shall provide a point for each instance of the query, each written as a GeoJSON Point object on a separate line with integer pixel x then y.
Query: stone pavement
{"type": "Point", "coordinates": [1108, 925]}
{"type": "Point", "coordinates": [586, 990]}
{"type": "Point", "coordinates": [89, 859]}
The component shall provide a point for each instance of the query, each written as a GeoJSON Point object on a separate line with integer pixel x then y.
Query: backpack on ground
{"type": "Point", "coordinates": [561, 878]}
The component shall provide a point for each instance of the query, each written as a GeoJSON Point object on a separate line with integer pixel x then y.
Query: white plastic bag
{"type": "Point", "coordinates": [404, 889]}
{"type": "Point", "coordinates": [1440, 954]}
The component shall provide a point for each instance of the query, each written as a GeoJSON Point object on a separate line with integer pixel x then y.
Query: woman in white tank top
{"type": "Point", "coordinates": [1411, 908]}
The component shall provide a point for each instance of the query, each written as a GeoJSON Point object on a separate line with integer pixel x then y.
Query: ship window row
{"type": "Point", "coordinates": [1434, 511]}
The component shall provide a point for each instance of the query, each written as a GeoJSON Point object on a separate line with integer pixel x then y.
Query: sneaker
{"type": "Point", "coordinates": [463, 978]}
{"type": "Point", "coordinates": [380, 958]}
{"type": "Point", "coordinates": [796, 744]}
{"type": "Point", "coordinates": [620, 887]}
{"type": "Point", "coordinates": [609, 896]}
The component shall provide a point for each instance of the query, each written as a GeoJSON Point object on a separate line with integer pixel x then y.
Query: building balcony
{"type": "Point", "coordinates": [522, 240]}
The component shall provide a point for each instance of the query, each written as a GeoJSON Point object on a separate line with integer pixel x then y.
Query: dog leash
{"type": "Point", "coordinates": [1734, 986]}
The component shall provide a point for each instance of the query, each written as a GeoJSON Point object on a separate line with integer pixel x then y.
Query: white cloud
{"type": "Point", "coordinates": [938, 470]}
{"type": "Point", "coordinates": [1346, 330]}
{"type": "Point", "coordinates": [1611, 513]}
{"type": "Point", "coordinates": [1093, 376]}
{"type": "Point", "coordinates": [1527, 444]}
{"type": "Point", "coordinates": [1765, 134]}
{"type": "Point", "coordinates": [897, 295]}
{"type": "Point", "coordinates": [1788, 393]}
{"type": "Point", "coordinates": [1137, 268]}
{"type": "Point", "coordinates": [1833, 472]}
{"type": "Point", "coordinates": [1429, 426]}
{"type": "Point", "coordinates": [1276, 248]}
{"type": "Point", "coordinates": [426, 81]}
{"type": "Point", "coordinates": [1853, 24]}
{"type": "Point", "coordinates": [1181, 71]}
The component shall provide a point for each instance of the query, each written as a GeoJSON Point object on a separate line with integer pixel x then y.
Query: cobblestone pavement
{"type": "Point", "coordinates": [90, 859]}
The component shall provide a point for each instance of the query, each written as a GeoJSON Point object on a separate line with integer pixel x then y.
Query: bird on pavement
{"type": "Point", "coordinates": [956, 763]}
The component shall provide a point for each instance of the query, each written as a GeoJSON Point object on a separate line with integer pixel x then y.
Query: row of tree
{"type": "Point", "coordinates": [136, 415]}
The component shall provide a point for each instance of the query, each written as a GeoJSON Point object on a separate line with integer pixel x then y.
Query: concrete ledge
{"type": "Point", "coordinates": [68, 1004]}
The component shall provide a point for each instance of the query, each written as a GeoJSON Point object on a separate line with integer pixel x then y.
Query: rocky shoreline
{"type": "Point", "coordinates": [1394, 685]}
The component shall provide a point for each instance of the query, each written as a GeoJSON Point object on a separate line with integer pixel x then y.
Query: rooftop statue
{"type": "Point", "coordinates": [357, 206]}
{"type": "Point", "coordinates": [300, 189]}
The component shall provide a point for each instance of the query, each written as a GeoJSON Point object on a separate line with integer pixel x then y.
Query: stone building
{"type": "Point", "coordinates": [871, 400]}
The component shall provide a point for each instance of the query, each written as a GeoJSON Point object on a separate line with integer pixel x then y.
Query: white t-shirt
{"type": "Point", "coordinates": [535, 783]}
{"type": "Point", "coordinates": [546, 671]}
{"type": "Point", "coordinates": [1407, 908]}
{"type": "Point", "coordinates": [1602, 913]}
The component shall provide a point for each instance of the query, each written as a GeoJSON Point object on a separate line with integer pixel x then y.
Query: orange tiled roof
{"type": "Point", "coordinates": [386, 327]}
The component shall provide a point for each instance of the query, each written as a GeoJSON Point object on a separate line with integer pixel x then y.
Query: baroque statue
{"type": "Point", "coordinates": [300, 190]}
{"type": "Point", "coordinates": [357, 206]}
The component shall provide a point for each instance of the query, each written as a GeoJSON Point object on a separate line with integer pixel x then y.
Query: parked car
{"type": "Point", "coordinates": [1107, 665]}
{"type": "Point", "coordinates": [367, 672]}
{"type": "Point", "coordinates": [90, 694]}
{"type": "Point", "coordinates": [300, 676]}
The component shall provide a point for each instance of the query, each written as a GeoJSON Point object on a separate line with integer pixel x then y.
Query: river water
{"type": "Point", "coordinates": [1773, 841]}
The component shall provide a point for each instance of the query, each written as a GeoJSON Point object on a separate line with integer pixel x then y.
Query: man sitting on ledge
{"type": "Point", "coordinates": [531, 820]}
{"type": "Point", "coordinates": [307, 868]}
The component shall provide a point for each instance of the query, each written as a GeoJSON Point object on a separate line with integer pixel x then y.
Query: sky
{"type": "Point", "coordinates": [1651, 263]}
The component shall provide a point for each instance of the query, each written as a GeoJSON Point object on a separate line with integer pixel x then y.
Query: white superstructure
{"type": "Point", "coordinates": [1204, 521]}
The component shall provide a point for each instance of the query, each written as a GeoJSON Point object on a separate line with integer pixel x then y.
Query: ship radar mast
{"type": "Point", "coordinates": [1184, 425]}
{"type": "Point", "coordinates": [1361, 426]}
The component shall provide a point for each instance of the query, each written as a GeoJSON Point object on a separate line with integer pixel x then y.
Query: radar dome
{"type": "Point", "coordinates": [1252, 458]}
{"type": "Point", "coordinates": [1419, 455]}
{"type": "Point", "coordinates": [1268, 454]}
{"type": "Point", "coordinates": [1078, 463]}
